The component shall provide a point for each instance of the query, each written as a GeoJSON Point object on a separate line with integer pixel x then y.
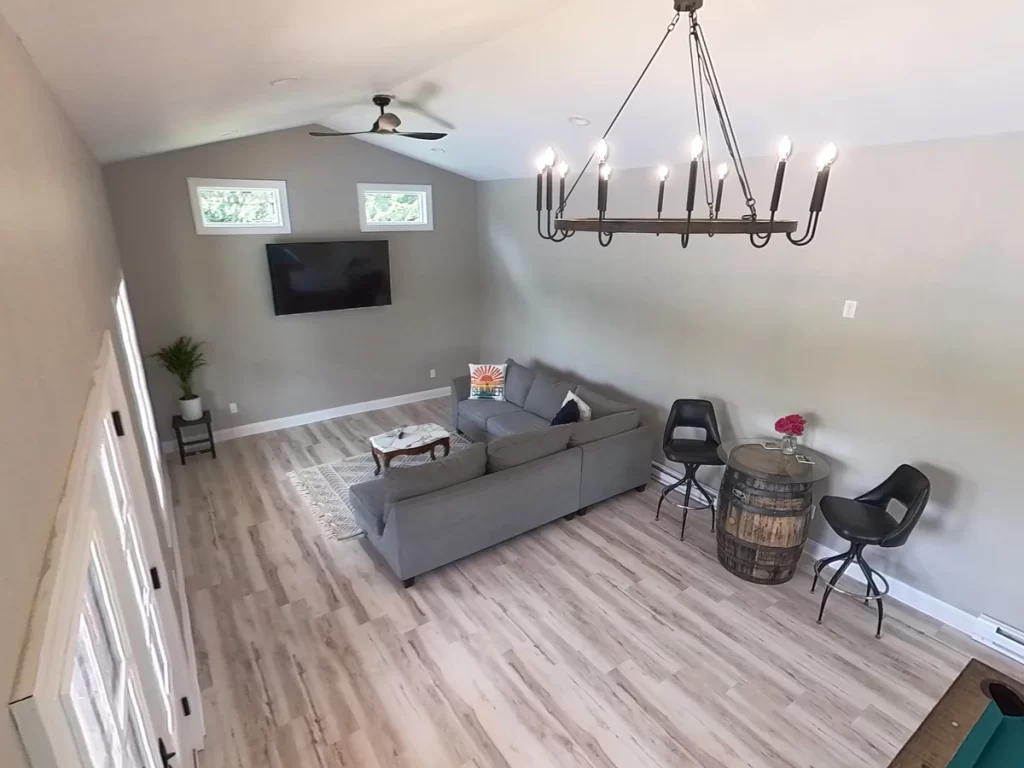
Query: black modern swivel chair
{"type": "Point", "coordinates": [865, 521]}
{"type": "Point", "coordinates": [692, 454]}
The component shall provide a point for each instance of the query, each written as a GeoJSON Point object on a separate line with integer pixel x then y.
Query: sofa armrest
{"type": "Point", "coordinates": [460, 392]}
{"type": "Point", "coordinates": [616, 464]}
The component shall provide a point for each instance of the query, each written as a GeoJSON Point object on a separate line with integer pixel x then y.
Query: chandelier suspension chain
{"type": "Point", "coordinates": [701, 110]}
{"type": "Point", "coordinates": [725, 120]}
{"type": "Point", "coordinates": [668, 31]}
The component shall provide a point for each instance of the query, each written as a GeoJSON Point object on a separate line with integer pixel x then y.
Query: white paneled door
{"type": "Point", "coordinates": [105, 681]}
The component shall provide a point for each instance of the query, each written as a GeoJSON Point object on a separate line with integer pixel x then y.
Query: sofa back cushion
{"type": "Point", "coordinates": [406, 482]}
{"type": "Point", "coordinates": [584, 432]}
{"type": "Point", "coordinates": [518, 379]}
{"type": "Point", "coordinates": [600, 405]}
{"type": "Point", "coordinates": [511, 451]}
{"type": "Point", "coordinates": [546, 395]}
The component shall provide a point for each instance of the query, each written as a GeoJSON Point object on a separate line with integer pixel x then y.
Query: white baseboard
{"type": "Point", "coordinates": [949, 615]}
{"type": "Point", "coordinates": [259, 427]}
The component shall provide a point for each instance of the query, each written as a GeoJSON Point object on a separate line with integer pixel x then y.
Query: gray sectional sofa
{"type": "Point", "coordinates": [519, 474]}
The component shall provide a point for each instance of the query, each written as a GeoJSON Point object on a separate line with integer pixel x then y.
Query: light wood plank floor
{"type": "Point", "coordinates": [600, 641]}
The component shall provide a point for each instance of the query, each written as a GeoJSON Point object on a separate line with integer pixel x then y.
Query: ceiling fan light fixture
{"type": "Point", "coordinates": [706, 88]}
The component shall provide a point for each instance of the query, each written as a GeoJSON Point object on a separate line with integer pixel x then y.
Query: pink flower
{"type": "Point", "coordinates": [791, 425]}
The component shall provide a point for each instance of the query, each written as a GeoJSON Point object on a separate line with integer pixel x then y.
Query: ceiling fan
{"type": "Point", "coordinates": [386, 125]}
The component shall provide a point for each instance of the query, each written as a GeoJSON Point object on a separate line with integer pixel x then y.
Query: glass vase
{"type": "Point", "coordinates": [788, 443]}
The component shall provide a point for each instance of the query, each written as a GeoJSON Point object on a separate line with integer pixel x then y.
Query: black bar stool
{"type": "Point", "coordinates": [865, 521]}
{"type": "Point", "coordinates": [692, 454]}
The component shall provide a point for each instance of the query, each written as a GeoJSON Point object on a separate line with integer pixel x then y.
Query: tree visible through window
{"type": "Point", "coordinates": [248, 207]}
{"type": "Point", "coordinates": [394, 207]}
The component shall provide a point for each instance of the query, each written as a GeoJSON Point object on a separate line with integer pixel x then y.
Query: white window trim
{"type": "Point", "coordinates": [202, 228]}
{"type": "Point", "coordinates": [426, 226]}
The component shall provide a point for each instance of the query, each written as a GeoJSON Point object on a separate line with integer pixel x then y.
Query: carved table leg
{"type": "Point", "coordinates": [376, 460]}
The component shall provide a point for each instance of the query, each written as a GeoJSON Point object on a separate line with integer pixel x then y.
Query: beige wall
{"type": "Point", "coordinates": [926, 237]}
{"type": "Point", "coordinates": [58, 263]}
{"type": "Point", "coordinates": [217, 288]}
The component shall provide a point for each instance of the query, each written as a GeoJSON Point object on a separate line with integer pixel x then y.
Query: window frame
{"type": "Point", "coordinates": [427, 225]}
{"type": "Point", "coordinates": [202, 228]}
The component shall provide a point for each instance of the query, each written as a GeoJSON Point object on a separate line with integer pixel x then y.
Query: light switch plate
{"type": "Point", "coordinates": [850, 309]}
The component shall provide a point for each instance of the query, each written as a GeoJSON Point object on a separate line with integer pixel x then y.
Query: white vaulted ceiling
{"type": "Point", "coordinates": [145, 77]}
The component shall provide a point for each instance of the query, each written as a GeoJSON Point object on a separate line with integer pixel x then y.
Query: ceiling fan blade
{"type": "Point", "coordinates": [412, 106]}
{"type": "Point", "coordinates": [421, 135]}
{"type": "Point", "coordinates": [324, 133]}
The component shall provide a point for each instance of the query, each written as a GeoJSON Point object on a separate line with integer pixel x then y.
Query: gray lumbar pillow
{"type": "Point", "coordinates": [511, 451]}
{"type": "Point", "coordinates": [584, 432]}
{"type": "Point", "coordinates": [406, 482]}
{"type": "Point", "coordinates": [601, 405]}
{"type": "Point", "coordinates": [518, 379]}
{"type": "Point", "coordinates": [546, 396]}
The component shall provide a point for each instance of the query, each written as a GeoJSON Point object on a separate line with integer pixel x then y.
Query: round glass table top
{"type": "Point", "coordinates": [764, 459]}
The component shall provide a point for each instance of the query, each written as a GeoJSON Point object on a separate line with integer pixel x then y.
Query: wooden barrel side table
{"type": "Point", "coordinates": [764, 510]}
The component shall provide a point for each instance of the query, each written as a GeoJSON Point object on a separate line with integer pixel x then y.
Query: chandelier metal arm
{"type": "Point", "coordinates": [809, 233]}
{"type": "Point", "coordinates": [668, 31]}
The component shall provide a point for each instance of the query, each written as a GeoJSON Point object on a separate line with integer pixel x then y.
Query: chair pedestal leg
{"type": "Point", "coordinates": [847, 557]}
{"type": "Point", "coordinates": [690, 469]}
{"type": "Point", "coordinates": [872, 587]}
{"type": "Point", "coordinates": [665, 492]}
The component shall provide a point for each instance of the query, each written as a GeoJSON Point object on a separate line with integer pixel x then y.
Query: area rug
{"type": "Point", "coordinates": [324, 488]}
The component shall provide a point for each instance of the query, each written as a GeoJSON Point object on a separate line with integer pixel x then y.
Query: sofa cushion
{"type": "Point", "coordinates": [584, 432]}
{"type": "Point", "coordinates": [479, 411]}
{"type": "Point", "coordinates": [514, 424]}
{"type": "Point", "coordinates": [546, 396]}
{"type": "Point", "coordinates": [601, 405]}
{"type": "Point", "coordinates": [586, 414]}
{"type": "Point", "coordinates": [406, 482]}
{"type": "Point", "coordinates": [518, 379]}
{"type": "Point", "coordinates": [511, 451]}
{"type": "Point", "coordinates": [369, 500]}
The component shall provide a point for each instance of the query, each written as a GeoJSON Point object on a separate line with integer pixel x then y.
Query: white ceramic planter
{"type": "Point", "coordinates": [191, 409]}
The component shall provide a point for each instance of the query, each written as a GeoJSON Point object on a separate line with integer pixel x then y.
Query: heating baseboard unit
{"type": "Point", "coordinates": [1001, 637]}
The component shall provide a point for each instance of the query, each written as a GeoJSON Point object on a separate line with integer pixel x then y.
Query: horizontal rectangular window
{"type": "Point", "coordinates": [391, 207]}
{"type": "Point", "coordinates": [239, 206]}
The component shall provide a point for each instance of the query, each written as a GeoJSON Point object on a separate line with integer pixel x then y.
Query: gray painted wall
{"type": "Point", "coordinates": [926, 237]}
{"type": "Point", "coordinates": [217, 288]}
{"type": "Point", "coordinates": [58, 259]}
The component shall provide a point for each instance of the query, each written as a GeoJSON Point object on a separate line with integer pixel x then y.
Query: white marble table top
{"type": "Point", "coordinates": [412, 437]}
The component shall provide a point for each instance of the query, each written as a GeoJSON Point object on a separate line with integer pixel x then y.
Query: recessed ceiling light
{"type": "Point", "coordinates": [577, 120]}
{"type": "Point", "coordinates": [228, 133]}
{"type": "Point", "coordinates": [437, 149]}
{"type": "Point", "coordinates": [285, 80]}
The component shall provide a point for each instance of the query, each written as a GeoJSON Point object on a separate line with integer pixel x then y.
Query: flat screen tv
{"type": "Point", "coordinates": [320, 277]}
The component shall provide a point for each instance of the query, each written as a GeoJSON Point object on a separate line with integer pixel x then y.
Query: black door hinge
{"type": "Point", "coordinates": [118, 426]}
{"type": "Point", "coordinates": [154, 575]}
{"type": "Point", "coordinates": [185, 706]}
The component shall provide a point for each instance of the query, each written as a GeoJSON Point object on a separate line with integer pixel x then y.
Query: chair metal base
{"type": "Point", "coordinates": [690, 479]}
{"type": "Point", "coordinates": [854, 554]}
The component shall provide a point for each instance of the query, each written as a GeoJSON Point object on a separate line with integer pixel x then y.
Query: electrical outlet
{"type": "Point", "coordinates": [433, 373]}
{"type": "Point", "coordinates": [850, 309]}
{"type": "Point", "coordinates": [233, 407]}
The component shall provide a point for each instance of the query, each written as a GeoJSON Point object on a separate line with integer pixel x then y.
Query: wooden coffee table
{"type": "Point", "coordinates": [409, 441]}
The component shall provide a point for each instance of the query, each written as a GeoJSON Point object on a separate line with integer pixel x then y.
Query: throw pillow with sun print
{"type": "Point", "coordinates": [487, 382]}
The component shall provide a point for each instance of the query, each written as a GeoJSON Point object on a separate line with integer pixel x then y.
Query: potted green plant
{"type": "Point", "coordinates": [182, 358]}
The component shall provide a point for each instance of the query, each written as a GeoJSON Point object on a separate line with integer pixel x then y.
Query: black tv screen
{"type": "Point", "coordinates": [319, 277]}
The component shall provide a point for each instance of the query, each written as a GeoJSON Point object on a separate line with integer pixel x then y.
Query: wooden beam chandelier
{"type": "Point", "coordinates": [705, 83]}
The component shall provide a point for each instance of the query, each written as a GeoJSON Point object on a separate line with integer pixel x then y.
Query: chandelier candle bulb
{"type": "Point", "coordinates": [662, 177]}
{"type": "Point", "coordinates": [723, 171]}
{"type": "Point", "coordinates": [563, 169]}
{"type": "Point", "coordinates": [825, 160]}
{"type": "Point", "coordinates": [540, 185]}
{"type": "Point", "coordinates": [601, 151]}
{"type": "Point", "coordinates": [604, 173]}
